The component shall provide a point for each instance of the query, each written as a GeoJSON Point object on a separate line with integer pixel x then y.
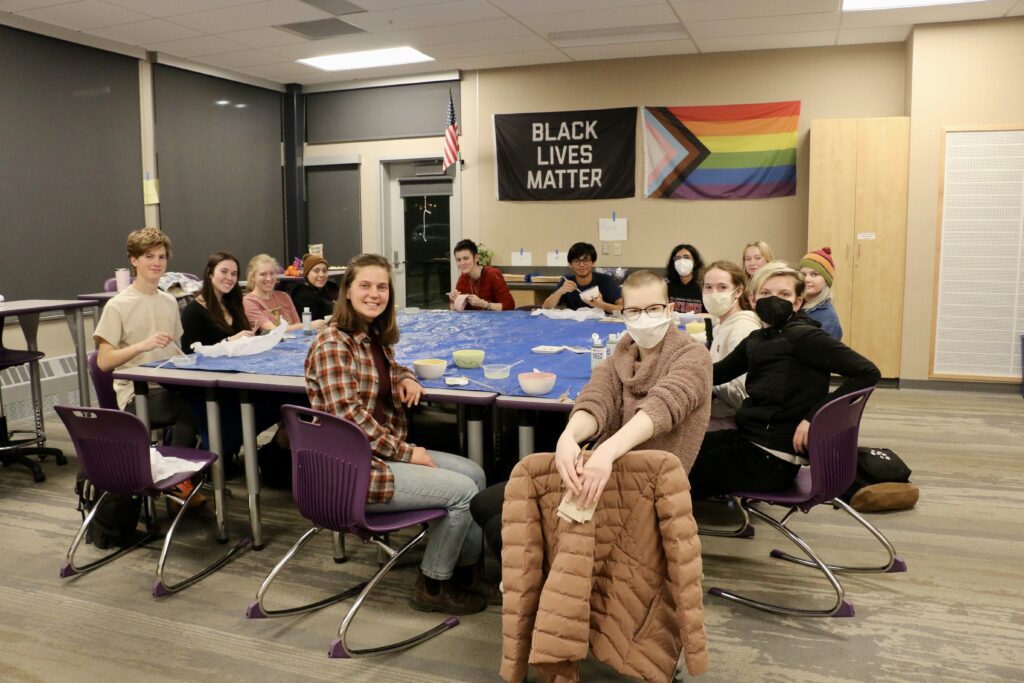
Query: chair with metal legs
{"type": "Point", "coordinates": [832, 451]}
{"type": "Point", "coordinates": [14, 448]}
{"type": "Point", "coordinates": [113, 450]}
{"type": "Point", "coordinates": [330, 480]}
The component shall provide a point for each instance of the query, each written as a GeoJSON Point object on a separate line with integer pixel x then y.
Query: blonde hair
{"type": "Point", "coordinates": [762, 246]}
{"type": "Point", "coordinates": [141, 241]}
{"type": "Point", "coordinates": [254, 264]}
{"type": "Point", "coordinates": [777, 269]}
{"type": "Point", "coordinates": [642, 278]}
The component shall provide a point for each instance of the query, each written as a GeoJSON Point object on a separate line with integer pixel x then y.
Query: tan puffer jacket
{"type": "Point", "coordinates": [627, 583]}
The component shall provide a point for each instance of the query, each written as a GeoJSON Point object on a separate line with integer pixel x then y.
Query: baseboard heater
{"type": "Point", "coordinates": [59, 378]}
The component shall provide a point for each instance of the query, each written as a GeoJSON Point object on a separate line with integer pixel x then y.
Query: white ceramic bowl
{"type": "Point", "coordinates": [537, 383]}
{"type": "Point", "coordinates": [468, 358]}
{"type": "Point", "coordinates": [590, 293]}
{"type": "Point", "coordinates": [429, 368]}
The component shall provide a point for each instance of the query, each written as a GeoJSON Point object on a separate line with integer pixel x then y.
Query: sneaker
{"type": "Point", "coordinates": [430, 595]}
{"type": "Point", "coordinates": [183, 490]}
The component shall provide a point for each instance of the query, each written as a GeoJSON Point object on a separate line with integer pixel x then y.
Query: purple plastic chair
{"type": "Point", "coordinates": [832, 450]}
{"type": "Point", "coordinates": [330, 479]}
{"type": "Point", "coordinates": [113, 451]}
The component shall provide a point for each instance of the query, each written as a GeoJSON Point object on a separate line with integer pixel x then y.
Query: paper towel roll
{"type": "Point", "coordinates": [123, 278]}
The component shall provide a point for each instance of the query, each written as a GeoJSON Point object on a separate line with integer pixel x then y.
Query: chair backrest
{"type": "Point", "coordinates": [103, 383]}
{"type": "Point", "coordinates": [832, 446]}
{"type": "Point", "coordinates": [330, 469]}
{"type": "Point", "coordinates": [112, 448]}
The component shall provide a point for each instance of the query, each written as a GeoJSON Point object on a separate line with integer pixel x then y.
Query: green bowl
{"type": "Point", "coordinates": [468, 358]}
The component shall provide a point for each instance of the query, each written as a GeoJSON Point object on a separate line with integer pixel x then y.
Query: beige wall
{"type": "Point", "coordinates": [969, 74]}
{"type": "Point", "coordinates": [854, 81]}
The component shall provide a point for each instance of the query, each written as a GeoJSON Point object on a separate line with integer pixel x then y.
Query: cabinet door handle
{"type": "Point", "coordinates": [858, 249]}
{"type": "Point", "coordinates": [847, 253]}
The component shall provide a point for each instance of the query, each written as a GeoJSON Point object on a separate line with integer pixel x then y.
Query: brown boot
{"type": "Point", "coordinates": [431, 595]}
{"type": "Point", "coordinates": [471, 579]}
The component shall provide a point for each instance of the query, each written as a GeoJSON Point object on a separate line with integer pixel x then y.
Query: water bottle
{"type": "Point", "coordinates": [307, 321]}
{"type": "Point", "coordinates": [613, 340]}
{"type": "Point", "coordinates": [597, 351]}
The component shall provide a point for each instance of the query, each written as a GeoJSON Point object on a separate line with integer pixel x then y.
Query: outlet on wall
{"type": "Point", "coordinates": [617, 248]}
{"type": "Point", "coordinates": [604, 248]}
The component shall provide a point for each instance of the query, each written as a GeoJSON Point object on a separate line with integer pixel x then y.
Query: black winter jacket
{"type": "Point", "coordinates": [788, 372]}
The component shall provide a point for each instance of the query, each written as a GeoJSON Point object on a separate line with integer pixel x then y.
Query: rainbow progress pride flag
{"type": "Point", "coordinates": [738, 151]}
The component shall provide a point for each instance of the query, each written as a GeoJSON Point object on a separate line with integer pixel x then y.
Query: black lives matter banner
{"type": "Point", "coordinates": [566, 155]}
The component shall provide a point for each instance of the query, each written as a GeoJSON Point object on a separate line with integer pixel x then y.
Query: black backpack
{"type": "Point", "coordinates": [116, 520]}
{"type": "Point", "coordinates": [883, 482]}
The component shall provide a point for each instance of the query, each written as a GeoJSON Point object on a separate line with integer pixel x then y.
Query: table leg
{"type": "Point", "coordinates": [76, 324]}
{"type": "Point", "coordinates": [526, 446]}
{"type": "Point", "coordinates": [217, 469]}
{"type": "Point", "coordinates": [142, 403]}
{"type": "Point", "coordinates": [475, 435]}
{"type": "Point", "coordinates": [252, 472]}
{"type": "Point", "coordinates": [29, 327]}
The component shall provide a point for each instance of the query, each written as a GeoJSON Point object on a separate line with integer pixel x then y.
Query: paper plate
{"type": "Point", "coordinates": [546, 349]}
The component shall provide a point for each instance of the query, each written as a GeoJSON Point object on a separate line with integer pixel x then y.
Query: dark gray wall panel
{"type": "Point", "coordinates": [70, 165]}
{"type": "Point", "coordinates": [333, 211]}
{"type": "Point", "coordinates": [400, 111]}
{"type": "Point", "coordinates": [219, 166]}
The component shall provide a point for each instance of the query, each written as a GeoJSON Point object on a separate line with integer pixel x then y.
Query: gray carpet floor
{"type": "Point", "coordinates": [957, 615]}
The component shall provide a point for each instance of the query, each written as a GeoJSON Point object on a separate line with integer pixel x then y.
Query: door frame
{"type": "Point", "coordinates": [388, 193]}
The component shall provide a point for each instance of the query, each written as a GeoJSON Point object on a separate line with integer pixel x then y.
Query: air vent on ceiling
{"type": "Point", "coordinates": [335, 7]}
{"type": "Point", "coordinates": [320, 29]}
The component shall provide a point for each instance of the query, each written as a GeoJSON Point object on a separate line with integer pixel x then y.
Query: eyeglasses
{"type": "Point", "coordinates": [652, 311]}
{"type": "Point", "coordinates": [586, 260]}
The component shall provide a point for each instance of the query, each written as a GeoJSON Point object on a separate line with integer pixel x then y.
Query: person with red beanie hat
{"type": "Point", "coordinates": [819, 269]}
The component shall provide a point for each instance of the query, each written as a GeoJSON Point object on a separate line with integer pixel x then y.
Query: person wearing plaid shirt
{"type": "Point", "coordinates": [351, 372]}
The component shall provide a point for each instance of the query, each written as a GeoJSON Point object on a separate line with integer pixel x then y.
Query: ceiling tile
{"type": "Point", "coordinates": [525, 8]}
{"type": "Point", "coordinates": [626, 51]}
{"type": "Point", "coordinates": [243, 58]}
{"type": "Point", "coordinates": [880, 34]}
{"type": "Point", "coordinates": [83, 15]}
{"type": "Point", "coordinates": [643, 15]}
{"type": "Point", "coordinates": [145, 32]}
{"type": "Point", "coordinates": [440, 14]}
{"type": "Point", "coordinates": [773, 41]}
{"type": "Point", "coordinates": [167, 8]}
{"type": "Point", "coordinates": [285, 72]}
{"type": "Point", "coordinates": [707, 10]}
{"type": "Point", "coordinates": [382, 5]}
{"type": "Point", "coordinates": [263, 37]}
{"type": "Point", "coordinates": [756, 26]}
{"type": "Point", "coordinates": [927, 15]}
{"type": "Point", "coordinates": [19, 5]}
{"type": "Point", "coordinates": [649, 34]}
{"type": "Point", "coordinates": [492, 46]}
{"type": "Point", "coordinates": [315, 48]}
{"type": "Point", "coordinates": [197, 47]}
{"type": "Point", "coordinates": [256, 15]}
{"type": "Point", "coordinates": [477, 30]}
{"type": "Point", "coordinates": [498, 61]}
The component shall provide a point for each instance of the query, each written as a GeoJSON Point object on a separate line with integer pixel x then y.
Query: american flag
{"type": "Point", "coordinates": [451, 136]}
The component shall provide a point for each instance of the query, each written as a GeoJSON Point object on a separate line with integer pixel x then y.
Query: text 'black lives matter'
{"type": "Point", "coordinates": [566, 155]}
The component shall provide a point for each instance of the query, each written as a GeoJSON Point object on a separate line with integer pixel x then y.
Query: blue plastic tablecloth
{"type": "Point", "coordinates": [505, 337]}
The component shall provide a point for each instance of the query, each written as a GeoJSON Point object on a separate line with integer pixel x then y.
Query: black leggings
{"type": "Point", "coordinates": [486, 510]}
{"type": "Point", "coordinates": [727, 462]}
{"type": "Point", "coordinates": [168, 409]}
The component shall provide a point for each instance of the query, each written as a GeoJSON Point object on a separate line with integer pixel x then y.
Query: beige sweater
{"type": "Point", "coordinates": [673, 386]}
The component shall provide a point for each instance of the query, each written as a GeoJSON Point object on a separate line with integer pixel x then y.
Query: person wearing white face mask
{"type": "Point", "coordinates": [684, 264]}
{"type": "Point", "coordinates": [653, 393]}
{"type": "Point", "coordinates": [724, 287]}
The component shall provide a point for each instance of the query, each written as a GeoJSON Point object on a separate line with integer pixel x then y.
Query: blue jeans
{"type": "Point", "coordinates": [455, 540]}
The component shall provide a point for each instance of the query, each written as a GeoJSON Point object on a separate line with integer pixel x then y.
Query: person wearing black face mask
{"type": "Point", "coordinates": [788, 365]}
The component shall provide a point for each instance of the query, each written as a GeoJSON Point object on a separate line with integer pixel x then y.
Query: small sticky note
{"type": "Point", "coordinates": [612, 229]}
{"type": "Point", "coordinates": [150, 191]}
{"type": "Point", "coordinates": [556, 258]}
{"type": "Point", "coordinates": [521, 258]}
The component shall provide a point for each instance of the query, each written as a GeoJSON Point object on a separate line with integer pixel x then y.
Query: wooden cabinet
{"type": "Point", "coordinates": [858, 206]}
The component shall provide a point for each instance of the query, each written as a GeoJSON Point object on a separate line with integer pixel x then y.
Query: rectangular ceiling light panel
{"type": "Point", "coordinates": [367, 59]}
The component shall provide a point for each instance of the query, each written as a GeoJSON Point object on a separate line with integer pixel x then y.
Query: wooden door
{"type": "Point", "coordinates": [831, 204]}
{"type": "Point", "coordinates": [880, 232]}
